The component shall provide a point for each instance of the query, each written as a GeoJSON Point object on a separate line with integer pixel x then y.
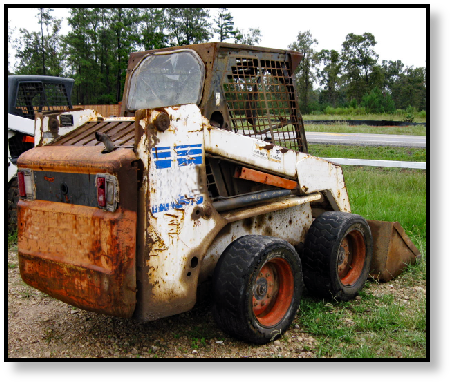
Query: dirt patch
{"type": "Point", "coordinates": [42, 327]}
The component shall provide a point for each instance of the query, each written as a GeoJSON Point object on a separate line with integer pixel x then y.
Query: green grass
{"type": "Point", "coordinates": [397, 117]}
{"type": "Point", "coordinates": [372, 327]}
{"type": "Point", "coordinates": [390, 195]}
{"type": "Point", "coordinates": [345, 128]}
{"type": "Point", "coordinates": [377, 326]}
{"type": "Point", "coordinates": [365, 152]}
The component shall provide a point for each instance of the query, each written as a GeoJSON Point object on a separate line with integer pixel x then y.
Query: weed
{"type": "Point", "coordinates": [12, 265]}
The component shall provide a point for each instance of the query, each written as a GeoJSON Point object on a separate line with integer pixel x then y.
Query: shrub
{"type": "Point", "coordinates": [378, 102]}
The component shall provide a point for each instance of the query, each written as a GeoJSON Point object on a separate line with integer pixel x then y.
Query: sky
{"type": "Point", "coordinates": [400, 32]}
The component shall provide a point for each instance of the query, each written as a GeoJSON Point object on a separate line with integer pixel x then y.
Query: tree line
{"type": "Point", "coordinates": [95, 53]}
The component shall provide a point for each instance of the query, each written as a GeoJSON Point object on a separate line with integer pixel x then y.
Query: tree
{"type": "Point", "coordinates": [305, 75]}
{"type": "Point", "coordinates": [410, 89]}
{"type": "Point", "coordinates": [188, 25]}
{"type": "Point", "coordinates": [251, 37]}
{"type": "Point", "coordinates": [358, 59]}
{"type": "Point", "coordinates": [10, 41]}
{"type": "Point", "coordinates": [329, 74]}
{"type": "Point", "coordinates": [124, 24]}
{"type": "Point", "coordinates": [393, 70]}
{"type": "Point", "coordinates": [44, 19]}
{"type": "Point", "coordinates": [224, 25]}
{"type": "Point", "coordinates": [39, 53]}
{"type": "Point", "coordinates": [152, 28]}
{"type": "Point", "coordinates": [377, 101]}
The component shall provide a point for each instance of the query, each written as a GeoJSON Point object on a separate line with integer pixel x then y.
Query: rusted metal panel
{"type": "Point", "coordinates": [79, 159]}
{"type": "Point", "coordinates": [81, 255]}
{"type": "Point", "coordinates": [120, 132]}
{"type": "Point", "coordinates": [265, 178]}
{"type": "Point", "coordinates": [393, 251]}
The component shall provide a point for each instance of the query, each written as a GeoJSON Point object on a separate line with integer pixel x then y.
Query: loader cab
{"type": "Point", "coordinates": [28, 94]}
{"type": "Point", "coordinates": [244, 89]}
{"type": "Point", "coordinates": [165, 79]}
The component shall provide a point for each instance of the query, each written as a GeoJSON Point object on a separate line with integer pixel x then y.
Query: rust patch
{"type": "Point", "coordinates": [81, 255]}
{"type": "Point", "coordinates": [265, 178]}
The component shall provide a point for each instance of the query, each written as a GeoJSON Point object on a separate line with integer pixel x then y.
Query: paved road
{"type": "Point", "coordinates": [366, 139]}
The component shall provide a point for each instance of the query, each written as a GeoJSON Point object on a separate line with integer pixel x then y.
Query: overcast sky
{"type": "Point", "coordinates": [400, 32]}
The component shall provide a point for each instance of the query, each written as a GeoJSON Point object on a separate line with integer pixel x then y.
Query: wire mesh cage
{"type": "Point", "coordinates": [39, 97]}
{"type": "Point", "coordinates": [261, 101]}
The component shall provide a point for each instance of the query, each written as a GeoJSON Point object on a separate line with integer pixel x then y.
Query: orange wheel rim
{"type": "Point", "coordinates": [351, 258]}
{"type": "Point", "coordinates": [273, 292]}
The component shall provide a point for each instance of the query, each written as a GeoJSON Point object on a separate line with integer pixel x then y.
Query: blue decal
{"type": "Point", "coordinates": [187, 161]}
{"type": "Point", "coordinates": [162, 157]}
{"type": "Point", "coordinates": [160, 164]}
{"type": "Point", "coordinates": [179, 204]}
{"type": "Point", "coordinates": [186, 154]}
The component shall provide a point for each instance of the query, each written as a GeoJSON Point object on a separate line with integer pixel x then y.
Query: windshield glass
{"type": "Point", "coordinates": [166, 79]}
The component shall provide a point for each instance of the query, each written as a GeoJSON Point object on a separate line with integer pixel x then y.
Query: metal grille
{"type": "Point", "coordinates": [261, 101]}
{"type": "Point", "coordinates": [38, 97]}
{"type": "Point", "coordinates": [121, 133]}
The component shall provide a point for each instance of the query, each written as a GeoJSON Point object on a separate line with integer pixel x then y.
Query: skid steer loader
{"type": "Point", "coordinates": [28, 94]}
{"type": "Point", "coordinates": [205, 177]}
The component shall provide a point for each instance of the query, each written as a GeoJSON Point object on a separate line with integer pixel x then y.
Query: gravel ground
{"type": "Point", "coordinates": [42, 327]}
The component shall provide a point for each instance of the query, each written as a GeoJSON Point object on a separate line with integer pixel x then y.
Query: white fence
{"type": "Point", "coordinates": [378, 163]}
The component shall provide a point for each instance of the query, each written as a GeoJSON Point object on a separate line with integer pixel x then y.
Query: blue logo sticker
{"type": "Point", "coordinates": [186, 155]}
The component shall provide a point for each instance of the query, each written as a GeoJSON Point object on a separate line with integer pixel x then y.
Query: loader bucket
{"type": "Point", "coordinates": [393, 251]}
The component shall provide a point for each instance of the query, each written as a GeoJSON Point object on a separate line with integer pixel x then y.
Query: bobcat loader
{"type": "Point", "coordinates": [205, 178]}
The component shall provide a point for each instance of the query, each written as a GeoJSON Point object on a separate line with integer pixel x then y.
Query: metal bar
{"type": "Point", "coordinates": [249, 199]}
{"type": "Point", "coordinates": [285, 203]}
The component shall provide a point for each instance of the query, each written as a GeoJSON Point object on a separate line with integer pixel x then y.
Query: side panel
{"type": "Point", "coordinates": [179, 221]}
{"type": "Point", "coordinates": [81, 255]}
{"type": "Point", "coordinates": [289, 224]}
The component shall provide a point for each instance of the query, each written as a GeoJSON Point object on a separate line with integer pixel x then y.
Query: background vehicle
{"type": "Point", "coordinates": [27, 95]}
{"type": "Point", "coordinates": [205, 178]}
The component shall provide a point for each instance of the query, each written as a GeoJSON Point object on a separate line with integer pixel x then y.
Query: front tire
{"type": "Point", "coordinates": [257, 288]}
{"type": "Point", "coordinates": [337, 255]}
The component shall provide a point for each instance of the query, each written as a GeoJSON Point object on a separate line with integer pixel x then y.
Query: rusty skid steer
{"type": "Point", "coordinates": [205, 177]}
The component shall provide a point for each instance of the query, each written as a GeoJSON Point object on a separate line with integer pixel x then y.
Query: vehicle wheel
{"type": "Point", "coordinates": [257, 288]}
{"type": "Point", "coordinates": [13, 198]}
{"type": "Point", "coordinates": [337, 255]}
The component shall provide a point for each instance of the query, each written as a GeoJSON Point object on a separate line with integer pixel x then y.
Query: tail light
{"type": "Point", "coordinates": [107, 191]}
{"type": "Point", "coordinates": [101, 191]}
{"type": "Point", "coordinates": [28, 139]}
{"type": "Point", "coordinates": [26, 184]}
{"type": "Point", "coordinates": [21, 180]}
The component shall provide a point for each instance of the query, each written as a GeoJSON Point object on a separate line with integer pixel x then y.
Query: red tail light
{"type": "Point", "coordinates": [21, 180]}
{"type": "Point", "coordinates": [28, 139]}
{"type": "Point", "coordinates": [101, 191]}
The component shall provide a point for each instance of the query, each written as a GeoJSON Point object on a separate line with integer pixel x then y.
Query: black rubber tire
{"type": "Point", "coordinates": [238, 278]}
{"type": "Point", "coordinates": [13, 198]}
{"type": "Point", "coordinates": [326, 271]}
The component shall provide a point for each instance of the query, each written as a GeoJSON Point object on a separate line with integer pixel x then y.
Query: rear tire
{"type": "Point", "coordinates": [337, 255]}
{"type": "Point", "coordinates": [257, 288]}
{"type": "Point", "coordinates": [13, 198]}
